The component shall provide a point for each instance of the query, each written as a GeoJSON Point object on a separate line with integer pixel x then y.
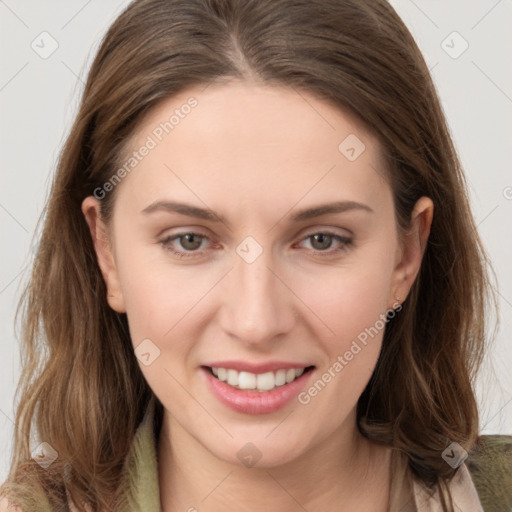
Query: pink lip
{"type": "Point", "coordinates": [255, 402]}
{"type": "Point", "coordinates": [244, 366]}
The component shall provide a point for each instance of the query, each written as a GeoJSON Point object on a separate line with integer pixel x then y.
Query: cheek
{"type": "Point", "coordinates": [350, 300]}
{"type": "Point", "coordinates": [353, 309]}
{"type": "Point", "coordinates": [154, 298]}
{"type": "Point", "coordinates": [160, 303]}
{"type": "Point", "coordinates": [352, 304]}
{"type": "Point", "coordinates": [356, 316]}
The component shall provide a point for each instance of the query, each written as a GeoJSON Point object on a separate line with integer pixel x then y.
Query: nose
{"type": "Point", "coordinates": [259, 304]}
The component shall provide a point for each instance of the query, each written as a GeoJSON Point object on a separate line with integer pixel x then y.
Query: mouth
{"type": "Point", "coordinates": [250, 387]}
{"type": "Point", "coordinates": [257, 382]}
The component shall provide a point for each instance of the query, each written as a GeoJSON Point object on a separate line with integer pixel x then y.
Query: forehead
{"type": "Point", "coordinates": [252, 143]}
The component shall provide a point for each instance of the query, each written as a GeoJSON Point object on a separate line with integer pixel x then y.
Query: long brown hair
{"type": "Point", "coordinates": [81, 389]}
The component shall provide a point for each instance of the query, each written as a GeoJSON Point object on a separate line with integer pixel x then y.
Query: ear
{"type": "Point", "coordinates": [104, 253]}
{"type": "Point", "coordinates": [412, 246]}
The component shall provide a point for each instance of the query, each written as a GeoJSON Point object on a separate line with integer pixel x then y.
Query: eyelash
{"type": "Point", "coordinates": [345, 241]}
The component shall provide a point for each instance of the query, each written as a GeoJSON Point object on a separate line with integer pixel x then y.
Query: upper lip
{"type": "Point", "coordinates": [244, 366]}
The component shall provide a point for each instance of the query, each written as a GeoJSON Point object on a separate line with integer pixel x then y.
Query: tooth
{"type": "Point", "coordinates": [232, 377]}
{"type": "Point", "coordinates": [246, 380]}
{"type": "Point", "coordinates": [265, 381]}
{"type": "Point", "coordinates": [280, 377]}
{"type": "Point", "coordinates": [290, 375]}
{"type": "Point", "coordinates": [261, 382]}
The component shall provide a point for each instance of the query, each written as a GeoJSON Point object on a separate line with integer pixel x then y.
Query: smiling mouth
{"type": "Point", "coordinates": [262, 382]}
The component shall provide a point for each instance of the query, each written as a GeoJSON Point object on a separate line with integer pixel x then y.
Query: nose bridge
{"type": "Point", "coordinates": [259, 307]}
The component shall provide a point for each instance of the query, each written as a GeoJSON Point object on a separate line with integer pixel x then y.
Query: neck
{"type": "Point", "coordinates": [344, 469]}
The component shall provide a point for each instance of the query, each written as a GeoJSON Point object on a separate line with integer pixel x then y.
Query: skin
{"type": "Point", "coordinates": [257, 154]}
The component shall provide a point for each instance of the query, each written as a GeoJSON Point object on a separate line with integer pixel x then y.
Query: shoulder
{"type": "Point", "coordinates": [490, 464]}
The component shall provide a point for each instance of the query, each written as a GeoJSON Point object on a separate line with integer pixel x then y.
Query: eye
{"type": "Point", "coordinates": [188, 241]}
{"type": "Point", "coordinates": [322, 241]}
{"type": "Point", "coordinates": [191, 242]}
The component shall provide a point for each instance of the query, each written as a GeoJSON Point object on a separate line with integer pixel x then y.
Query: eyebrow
{"type": "Point", "coordinates": [301, 215]}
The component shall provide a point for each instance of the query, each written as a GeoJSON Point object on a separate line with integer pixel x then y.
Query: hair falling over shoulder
{"type": "Point", "coordinates": [81, 390]}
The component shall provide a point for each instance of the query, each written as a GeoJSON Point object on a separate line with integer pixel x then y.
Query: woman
{"type": "Point", "coordinates": [259, 284]}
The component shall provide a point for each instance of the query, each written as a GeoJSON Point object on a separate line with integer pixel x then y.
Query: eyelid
{"type": "Point", "coordinates": [303, 234]}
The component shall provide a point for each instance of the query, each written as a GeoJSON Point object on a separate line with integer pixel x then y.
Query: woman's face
{"type": "Point", "coordinates": [293, 262]}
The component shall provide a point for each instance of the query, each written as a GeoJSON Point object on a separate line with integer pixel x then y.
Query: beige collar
{"type": "Point", "coordinates": [462, 490]}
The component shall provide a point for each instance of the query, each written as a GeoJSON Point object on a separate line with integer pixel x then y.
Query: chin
{"type": "Point", "coordinates": [260, 452]}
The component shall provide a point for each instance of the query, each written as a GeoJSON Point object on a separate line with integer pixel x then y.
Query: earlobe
{"type": "Point", "coordinates": [104, 253]}
{"type": "Point", "coordinates": [413, 245]}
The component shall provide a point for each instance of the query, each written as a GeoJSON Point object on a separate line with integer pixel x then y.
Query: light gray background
{"type": "Point", "coordinates": [39, 97]}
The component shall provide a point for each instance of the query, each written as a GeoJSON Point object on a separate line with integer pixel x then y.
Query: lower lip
{"type": "Point", "coordinates": [256, 402]}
